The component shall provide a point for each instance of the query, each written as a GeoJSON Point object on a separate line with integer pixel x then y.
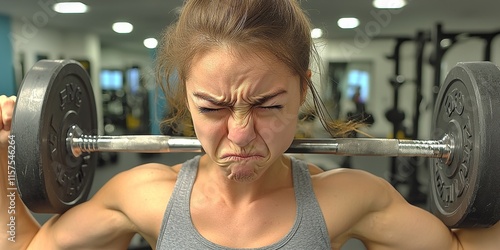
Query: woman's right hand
{"type": "Point", "coordinates": [6, 110]}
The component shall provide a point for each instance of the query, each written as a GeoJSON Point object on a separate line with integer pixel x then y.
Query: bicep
{"type": "Point", "coordinates": [95, 224]}
{"type": "Point", "coordinates": [399, 225]}
{"type": "Point", "coordinates": [86, 227]}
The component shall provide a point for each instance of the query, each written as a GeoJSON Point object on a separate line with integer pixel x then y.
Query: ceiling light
{"type": "Point", "coordinates": [150, 43]}
{"type": "Point", "coordinates": [389, 4]}
{"type": "Point", "coordinates": [70, 7]}
{"type": "Point", "coordinates": [348, 22]}
{"type": "Point", "coordinates": [123, 27]}
{"type": "Point", "coordinates": [316, 33]}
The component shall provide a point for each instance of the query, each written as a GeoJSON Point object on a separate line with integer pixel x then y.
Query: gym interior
{"type": "Point", "coordinates": [386, 70]}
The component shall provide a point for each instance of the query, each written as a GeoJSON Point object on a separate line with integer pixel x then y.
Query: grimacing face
{"type": "Point", "coordinates": [244, 108]}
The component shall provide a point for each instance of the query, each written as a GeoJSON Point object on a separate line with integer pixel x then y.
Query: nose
{"type": "Point", "coordinates": [241, 130]}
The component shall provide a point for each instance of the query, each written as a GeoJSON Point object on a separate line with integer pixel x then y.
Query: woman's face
{"type": "Point", "coordinates": [244, 109]}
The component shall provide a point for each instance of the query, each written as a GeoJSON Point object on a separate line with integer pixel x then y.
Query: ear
{"type": "Point", "coordinates": [305, 86]}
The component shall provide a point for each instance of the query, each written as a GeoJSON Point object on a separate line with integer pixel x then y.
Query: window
{"type": "Point", "coordinates": [111, 79]}
{"type": "Point", "coordinates": [358, 81]}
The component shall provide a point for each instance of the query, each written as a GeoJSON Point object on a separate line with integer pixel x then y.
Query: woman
{"type": "Point", "coordinates": [240, 70]}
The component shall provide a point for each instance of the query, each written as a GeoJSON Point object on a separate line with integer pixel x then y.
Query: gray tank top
{"type": "Point", "coordinates": [308, 232]}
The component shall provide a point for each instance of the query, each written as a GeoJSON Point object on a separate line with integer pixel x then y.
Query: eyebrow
{"type": "Point", "coordinates": [258, 101]}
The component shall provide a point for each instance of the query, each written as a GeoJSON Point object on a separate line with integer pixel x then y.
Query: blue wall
{"type": "Point", "coordinates": [7, 82]}
{"type": "Point", "coordinates": [157, 105]}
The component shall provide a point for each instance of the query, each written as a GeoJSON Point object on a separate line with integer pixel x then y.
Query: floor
{"type": "Point", "coordinates": [375, 165]}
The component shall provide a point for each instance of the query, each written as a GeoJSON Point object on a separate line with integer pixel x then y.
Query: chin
{"type": "Point", "coordinates": [243, 172]}
{"type": "Point", "coordinates": [243, 178]}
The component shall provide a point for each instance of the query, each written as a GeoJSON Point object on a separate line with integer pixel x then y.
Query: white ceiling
{"type": "Point", "coordinates": [149, 17]}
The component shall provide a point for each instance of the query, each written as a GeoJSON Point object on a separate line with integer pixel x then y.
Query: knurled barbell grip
{"type": "Point", "coordinates": [376, 147]}
{"type": "Point", "coordinates": [134, 143]}
{"type": "Point", "coordinates": [78, 143]}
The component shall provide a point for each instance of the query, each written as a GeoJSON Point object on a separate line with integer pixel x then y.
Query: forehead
{"type": "Point", "coordinates": [226, 66]}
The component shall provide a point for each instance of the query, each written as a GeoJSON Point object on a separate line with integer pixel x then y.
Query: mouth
{"type": "Point", "coordinates": [241, 157]}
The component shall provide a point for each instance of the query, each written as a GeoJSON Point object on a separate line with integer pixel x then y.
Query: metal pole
{"type": "Point", "coordinates": [340, 146]}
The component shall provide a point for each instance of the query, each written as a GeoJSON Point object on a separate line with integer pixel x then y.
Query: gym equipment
{"type": "Point", "coordinates": [396, 116]}
{"type": "Point", "coordinates": [55, 121]}
{"type": "Point", "coordinates": [54, 95]}
{"type": "Point", "coordinates": [439, 35]}
{"type": "Point", "coordinates": [468, 109]}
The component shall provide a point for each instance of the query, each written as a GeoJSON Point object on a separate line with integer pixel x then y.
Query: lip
{"type": "Point", "coordinates": [240, 156]}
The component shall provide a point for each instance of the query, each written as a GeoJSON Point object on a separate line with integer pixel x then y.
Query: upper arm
{"type": "Point", "coordinates": [108, 220]}
{"type": "Point", "coordinates": [357, 204]}
{"type": "Point", "coordinates": [390, 222]}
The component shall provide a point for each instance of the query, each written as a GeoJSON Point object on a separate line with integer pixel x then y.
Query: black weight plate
{"type": "Point", "coordinates": [53, 96]}
{"type": "Point", "coordinates": [465, 192]}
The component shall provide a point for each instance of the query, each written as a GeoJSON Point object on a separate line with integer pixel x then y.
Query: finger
{"type": "Point", "coordinates": [7, 110]}
{"type": "Point", "coordinates": [2, 99]}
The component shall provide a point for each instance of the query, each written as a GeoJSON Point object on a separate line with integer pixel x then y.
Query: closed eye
{"type": "Point", "coordinates": [272, 107]}
{"type": "Point", "coordinates": [203, 110]}
{"type": "Point", "coordinates": [207, 110]}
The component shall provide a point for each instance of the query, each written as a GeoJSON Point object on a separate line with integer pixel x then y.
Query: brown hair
{"type": "Point", "coordinates": [277, 27]}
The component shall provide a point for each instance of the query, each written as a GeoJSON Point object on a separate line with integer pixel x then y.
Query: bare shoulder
{"type": "Point", "coordinates": [133, 201]}
{"type": "Point", "coordinates": [353, 185]}
{"type": "Point", "coordinates": [346, 178]}
{"type": "Point", "coordinates": [346, 196]}
{"type": "Point", "coordinates": [141, 194]}
{"type": "Point", "coordinates": [144, 182]}
{"type": "Point", "coordinates": [141, 178]}
{"type": "Point", "coordinates": [365, 189]}
{"type": "Point", "coordinates": [359, 204]}
{"type": "Point", "coordinates": [313, 169]}
{"type": "Point", "coordinates": [147, 173]}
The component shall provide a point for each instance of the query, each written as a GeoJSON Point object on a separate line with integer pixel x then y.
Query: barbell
{"type": "Point", "coordinates": [53, 142]}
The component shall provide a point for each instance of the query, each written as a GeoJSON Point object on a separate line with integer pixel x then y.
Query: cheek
{"type": "Point", "coordinates": [279, 128]}
{"type": "Point", "coordinates": [208, 131]}
{"type": "Point", "coordinates": [209, 127]}
{"type": "Point", "coordinates": [201, 124]}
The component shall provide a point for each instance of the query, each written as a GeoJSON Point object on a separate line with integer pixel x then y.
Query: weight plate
{"type": "Point", "coordinates": [464, 191]}
{"type": "Point", "coordinates": [53, 96]}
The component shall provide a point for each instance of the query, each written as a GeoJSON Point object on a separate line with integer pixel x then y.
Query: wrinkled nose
{"type": "Point", "coordinates": [241, 130]}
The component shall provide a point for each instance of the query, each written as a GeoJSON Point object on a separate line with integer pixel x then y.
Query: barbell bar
{"type": "Point", "coordinates": [53, 142]}
{"type": "Point", "coordinates": [79, 143]}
